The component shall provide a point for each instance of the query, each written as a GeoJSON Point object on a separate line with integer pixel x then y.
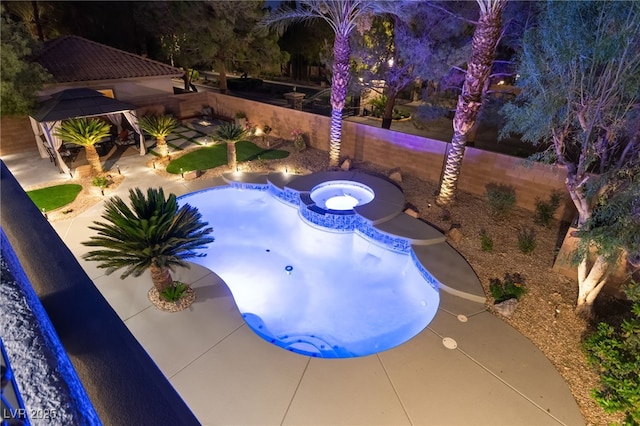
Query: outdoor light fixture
{"type": "Point", "coordinates": [44, 213]}
{"type": "Point", "coordinates": [118, 167]}
{"type": "Point", "coordinates": [154, 164]}
{"type": "Point", "coordinates": [181, 173]}
{"type": "Point", "coordinates": [71, 173]}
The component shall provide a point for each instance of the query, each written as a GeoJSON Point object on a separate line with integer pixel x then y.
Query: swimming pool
{"type": "Point", "coordinates": [309, 290]}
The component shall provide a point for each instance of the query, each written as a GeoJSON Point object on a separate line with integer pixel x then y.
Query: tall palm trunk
{"type": "Point", "coordinates": [231, 155]}
{"type": "Point", "coordinates": [485, 40]}
{"type": "Point", "coordinates": [161, 146]}
{"type": "Point", "coordinates": [93, 159]}
{"type": "Point", "coordinates": [341, 53]}
{"type": "Point", "coordinates": [160, 276]}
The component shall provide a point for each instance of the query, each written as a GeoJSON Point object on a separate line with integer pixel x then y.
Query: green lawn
{"type": "Point", "coordinates": [54, 197]}
{"type": "Point", "coordinates": [216, 155]}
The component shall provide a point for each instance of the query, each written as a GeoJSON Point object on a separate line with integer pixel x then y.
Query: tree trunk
{"type": "Point", "coordinates": [591, 279]}
{"type": "Point", "coordinates": [222, 77]}
{"type": "Point", "coordinates": [36, 18]}
{"type": "Point", "coordinates": [387, 116]}
{"type": "Point", "coordinates": [162, 147]}
{"type": "Point", "coordinates": [591, 276]}
{"type": "Point", "coordinates": [231, 155]}
{"type": "Point", "coordinates": [94, 160]}
{"type": "Point", "coordinates": [341, 54]}
{"type": "Point", "coordinates": [161, 277]}
{"type": "Point", "coordinates": [485, 40]}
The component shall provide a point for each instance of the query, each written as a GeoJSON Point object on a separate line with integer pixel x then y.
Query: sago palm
{"type": "Point", "coordinates": [152, 234]}
{"type": "Point", "coordinates": [483, 46]}
{"type": "Point", "coordinates": [231, 133]}
{"type": "Point", "coordinates": [86, 132]}
{"type": "Point", "coordinates": [159, 126]}
{"type": "Point", "coordinates": [343, 16]}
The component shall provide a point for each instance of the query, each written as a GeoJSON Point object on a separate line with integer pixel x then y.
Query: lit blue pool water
{"type": "Point", "coordinates": [311, 291]}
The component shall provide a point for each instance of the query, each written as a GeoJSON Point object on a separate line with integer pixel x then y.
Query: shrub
{"type": "Point", "coordinates": [377, 105]}
{"type": "Point", "coordinates": [501, 198]}
{"type": "Point", "coordinates": [486, 242]}
{"type": "Point", "coordinates": [100, 181]}
{"type": "Point", "coordinates": [175, 292]}
{"type": "Point", "coordinates": [526, 240]}
{"type": "Point", "coordinates": [546, 209]}
{"type": "Point", "coordinates": [616, 354]}
{"type": "Point", "coordinates": [511, 288]}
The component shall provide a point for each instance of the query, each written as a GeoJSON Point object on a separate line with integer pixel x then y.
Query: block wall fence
{"type": "Point", "coordinates": [415, 155]}
{"type": "Point", "coordinates": [412, 154]}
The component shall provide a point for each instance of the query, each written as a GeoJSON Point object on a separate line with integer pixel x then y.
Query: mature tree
{"type": "Point", "coordinates": [86, 132]}
{"type": "Point", "coordinates": [343, 16]}
{"type": "Point", "coordinates": [243, 44]}
{"type": "Point", "coordinates": [377, 56]}
{"type": "Point", "coordinates": [152, 234]}
{"type": "Point", "coordinates": [483, 47]}
{"type": "Point", "coordinates": [580, 97]}
{"type": "Point", "coordinates": [159, 126]}
{"type": "Point", "coordinates": [231, 133]}
{"type": "Point", "coordinates": [20, 79]}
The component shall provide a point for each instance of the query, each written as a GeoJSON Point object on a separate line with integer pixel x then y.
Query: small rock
{"type": "Point", "coordinates": [396, 177]}
{"type": "Point", "coordinates": [192, 174]}
{"type": "Point", "coordinates": [346, 165]}
{"type": "Point", "coordinates": [455, 235]}
{"type": "Point", "coordinates": [507, 307]}
{"type": "Point", "coordinates": [411, 212]}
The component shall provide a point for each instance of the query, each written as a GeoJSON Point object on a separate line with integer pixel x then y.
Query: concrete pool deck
{"type": "Point", "coordinates": [228, 375]}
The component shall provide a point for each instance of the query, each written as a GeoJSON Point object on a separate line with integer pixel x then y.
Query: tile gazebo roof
{"type": "Point", "coordinates": [72, 58]}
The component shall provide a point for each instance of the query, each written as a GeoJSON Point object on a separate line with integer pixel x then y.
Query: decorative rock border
{"type": "Point", "coordinates": [187, 299]}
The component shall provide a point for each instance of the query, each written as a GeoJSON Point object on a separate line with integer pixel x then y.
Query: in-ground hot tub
{"type": "Point", "coordinates": [341, 195]}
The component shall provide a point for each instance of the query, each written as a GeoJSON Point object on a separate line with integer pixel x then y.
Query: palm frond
{"type": "Point", "coordinates": [231, 132]}
{"type": "Point", "coordinates": [158, 125]}
{"type": "Point", "coordinates": [83, 131]}
{"type": "Point", "coordinates": [152, 230]}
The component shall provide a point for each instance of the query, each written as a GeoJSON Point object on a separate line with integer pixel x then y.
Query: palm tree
{"type": "Point", "coordinates": [153, 234]}
{"type": "Point", "coordinates": [483, 47]}
{"type": "Point", "coordinates": [231, 133]}
{"type": "Point", "coordinates": [86, 132]}
{"type": "Point", "coordinates": [343, 16]}
{"type": "Point", "coordinates": [159, 126]}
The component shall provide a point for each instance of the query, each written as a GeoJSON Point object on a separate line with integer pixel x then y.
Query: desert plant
{"type": "Point", "coordinates": [86, 132]}
{"type": "Point", "coordinates": [240, 115]}
{"type": "Point", "coordinates": [231, 133]}
{"type": "Point", "coordinates": [100, 181]}
{"type": "Point", "coordinates": [153, 233]}
{"type": "Point", "coordinates": [174, 292]}
{"type": "Point", "coordinates": [546, 209]}
{"type": "Point", "coordinates": [486, 242]}
{"type": "Point", "coordinates": [377, 105]}
{"type": "Point", "coordinates": [501, 198]}
{"type": "Point", "coordinates": [616, 354]}
{"type": "Point", "coordinates": [159, 126]}
{"type": "Point", "coordinates": [298, 140]}
{"type": "Point", "coordinates": [526, 240]}
{"type": "Point", "coordinates": [511, 288]}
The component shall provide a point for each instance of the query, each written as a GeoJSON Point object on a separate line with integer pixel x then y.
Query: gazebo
{"type": "Point", "coordinates": [74, 103]}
